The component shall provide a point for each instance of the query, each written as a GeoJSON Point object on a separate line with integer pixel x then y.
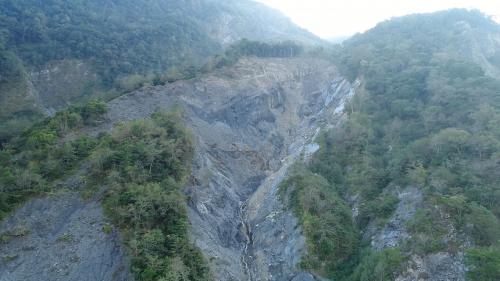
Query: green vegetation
{"type": "Point", "coordinates": [428, 232]}
{"type": "Point", "coordinates": [142, 166]}
{"type": "Point", "coordinates": [426, 116]}
{"type": "Point", "coordinates": [9, 258]}
{"type": "Point", "coordinates": [379, 266]}
{"type": "Point", "coordinates": [484, 264]}
{"type": "Point", "coordinates": [16, 232]}
{"type": "Point", "coordinates": [32, 162]}
{"type": "Point", "coordinates": [66, 238]}
{"type": "Point", "coordinates": [475, 220]}
{"type": "Point", "coordinates": [238, 50]}
{"type": "Point", "coordinates": [102, 32]}
{"type": "Point", "coordinates": [326, 219]}
{"type": "Point", "coordinates": [247, 48]}
{"type": "Point", "coordinates": [119, 42]}
{"type": "Point", "coordinates": [378, 209]}
{"type": "Point", "coordinates": [429, 118]}
{"type": "Point", "coordinates": [442, 34]}
{"type": "Point", "coordinates": [15, 113]}
{"type": "Point", "coordinates": [333, 238]}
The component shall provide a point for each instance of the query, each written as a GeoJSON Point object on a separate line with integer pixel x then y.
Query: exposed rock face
{"type": "Point", "coordinates": [481, 47]}
{"type": "Point", "coordinates": [251, 123]}
{"type": "Point", "coordinates": [395, 230]}
{"type": "Point", "coordinates": [60, 238]}
{"type": "Point", "coordinates": [440, 266]}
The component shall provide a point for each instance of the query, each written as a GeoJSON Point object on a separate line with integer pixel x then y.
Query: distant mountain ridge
{"type": "Point", "coordinates": [455, 33]}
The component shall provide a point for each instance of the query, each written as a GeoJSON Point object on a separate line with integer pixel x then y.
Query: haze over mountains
{"type": "Point", "coordinates": [215, 140]}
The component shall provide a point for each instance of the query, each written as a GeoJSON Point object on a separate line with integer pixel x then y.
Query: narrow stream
{"type": "Point", "coordinates": [246, 257]}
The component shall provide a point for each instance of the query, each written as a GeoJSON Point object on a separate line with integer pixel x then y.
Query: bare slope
{"type": "Point", "coordinates": [251, 122]}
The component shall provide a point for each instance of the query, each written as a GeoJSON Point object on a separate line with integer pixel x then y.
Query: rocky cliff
{"type": "Point", "coordinates": [251, 122]}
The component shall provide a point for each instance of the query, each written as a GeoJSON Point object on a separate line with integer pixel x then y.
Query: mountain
{"type": "Point", "coordinates": [465, 35]}
{"type": "Point", "coordinates": [56, 53]}
{"type": "Point", "coordinates": [375, 159]}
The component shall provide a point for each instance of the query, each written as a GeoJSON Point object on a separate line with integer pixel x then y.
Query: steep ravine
{"type": "Point", "coordinates": [251, 122]}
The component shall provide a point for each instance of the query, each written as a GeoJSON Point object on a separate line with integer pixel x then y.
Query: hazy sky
{"type": "Point", "coordinates": [332, 18]}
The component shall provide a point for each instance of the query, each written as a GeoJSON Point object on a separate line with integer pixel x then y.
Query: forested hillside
{"type": "Point", "coordinates": [54, 53]}
{"type": "Point", "coordinates": [424, 125]}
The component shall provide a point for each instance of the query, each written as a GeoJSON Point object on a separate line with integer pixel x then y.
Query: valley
{"type": "Point", "coordinates": [225, 143]}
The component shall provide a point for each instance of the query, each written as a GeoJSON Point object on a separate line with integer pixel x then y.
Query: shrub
{"type": "Point", "coordinates": [483, 264]}
{"type": "Point", "coordinates": [327, 221]}
{"type": "Point", "coordinates": [379, 266]}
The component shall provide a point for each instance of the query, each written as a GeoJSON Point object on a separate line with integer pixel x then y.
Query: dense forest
{"type": "Point", "coordinates": [114, 38]}
{"type": "Point", "coordinates": [426, 116]}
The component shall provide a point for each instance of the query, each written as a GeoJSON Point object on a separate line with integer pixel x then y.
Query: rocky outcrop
{"type": "Point", "coordinates": [395, 231]}
{"type": "Point", "coordinates": [480, 46]}
{"type": "Point", "coordinates": [438, 266]}
{"type": "Point", "coordinates": [441, 266]}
